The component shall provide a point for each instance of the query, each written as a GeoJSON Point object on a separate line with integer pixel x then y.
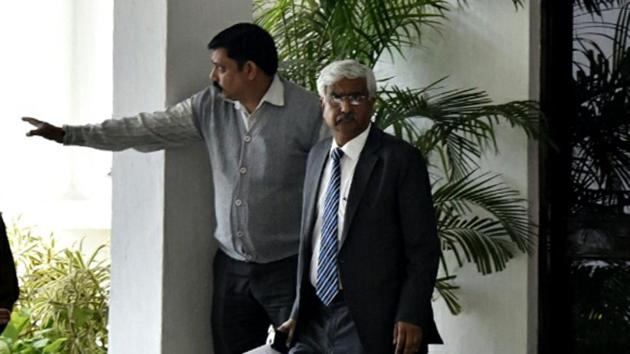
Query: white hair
{"type": "Point", "coordinates": [345, 69]}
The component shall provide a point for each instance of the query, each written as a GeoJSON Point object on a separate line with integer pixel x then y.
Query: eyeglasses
{"type": "Point", "coordinates": [353, 99]}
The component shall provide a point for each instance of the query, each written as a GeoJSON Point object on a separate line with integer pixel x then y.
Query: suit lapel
{"type": "Point", "coordinates": [312, 186]}
{"type": "Point", "coordinates": [362, 173]}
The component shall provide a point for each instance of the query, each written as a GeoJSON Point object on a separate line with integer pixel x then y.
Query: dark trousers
{"type": "Point", "coordinates": [329, 329]}
{"type": "Point", "coordinates": [326, 329]}
{"type": "Point", "coordinates": [247, 298]}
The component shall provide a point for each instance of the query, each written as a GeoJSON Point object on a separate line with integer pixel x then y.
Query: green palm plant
{"type": "Point", "coordinates": [600, 172]}
{"type": "Point", "coordinates": [599, 197]}
{"type": "Point", "coordinates": [480, 219]}
{"type": "Point", "coordinates": [64, 296]}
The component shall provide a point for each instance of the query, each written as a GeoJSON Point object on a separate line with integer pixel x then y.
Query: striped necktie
{"type": "Point", "coordinates": [327, 272]}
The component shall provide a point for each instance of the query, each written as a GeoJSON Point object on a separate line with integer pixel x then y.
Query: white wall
{"type": "Point", "coordinates": [162, 227]}
{"type": "Point", "coordinates": [55, 65]}
{"type": "Point", "coordinates": [483, 45]}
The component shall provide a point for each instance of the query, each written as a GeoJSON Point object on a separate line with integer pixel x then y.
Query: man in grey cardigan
{"type": "Point", "coordinates": [258, 130]}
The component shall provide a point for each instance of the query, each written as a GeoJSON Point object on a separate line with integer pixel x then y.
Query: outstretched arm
{"type": "Point", "coordinates": [145, 132]}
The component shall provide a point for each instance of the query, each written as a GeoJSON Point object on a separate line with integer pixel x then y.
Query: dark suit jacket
{"type": "Point", "coordinates": [389, 257]}
{"type": "Point", "coordinates": [8, 281]}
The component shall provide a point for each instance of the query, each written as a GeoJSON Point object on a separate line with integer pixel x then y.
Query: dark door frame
{"type": "Point", "coordinates": [557, 102]}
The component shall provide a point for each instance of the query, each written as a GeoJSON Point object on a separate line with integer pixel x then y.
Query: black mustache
{"type": "Point", "coordinates": [217, 86]}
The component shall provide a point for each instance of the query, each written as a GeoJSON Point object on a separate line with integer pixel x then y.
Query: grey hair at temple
{"type": "Point", "coordinates": [345, 69]}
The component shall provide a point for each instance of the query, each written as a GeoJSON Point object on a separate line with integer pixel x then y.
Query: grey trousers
{"type": "Point", "coordinates": [327, 329]}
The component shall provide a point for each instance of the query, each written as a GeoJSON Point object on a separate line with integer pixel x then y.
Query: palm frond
{"type": "Point", "coordinates": [475, 239]}
{"type": "Point", "coordinates": [595, 7]}
{"type": "Point", "coordinates": [601, 134]}
{"type": "Point", "coordinates": [486, 192]}
{"type": "Point", "coordinates": [310, 34]}
{"type": "Point", "coordinates": [463, 121]}
{"type": "Point", "coordinates": [620, 40]}
{"type": "Point", "coordinates": [447, 290]}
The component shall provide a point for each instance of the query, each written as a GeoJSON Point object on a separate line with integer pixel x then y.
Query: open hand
{"type": "Point", "coordinates": [45, 130]}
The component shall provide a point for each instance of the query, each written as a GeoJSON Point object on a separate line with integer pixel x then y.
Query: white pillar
{"type": "Point", "coordinates": [162, 219]}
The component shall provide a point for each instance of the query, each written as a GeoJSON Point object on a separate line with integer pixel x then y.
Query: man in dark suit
{"type": "Point", "coordinates": [369, 248]}
{"type": "Point", "coordinates": [9, 290]}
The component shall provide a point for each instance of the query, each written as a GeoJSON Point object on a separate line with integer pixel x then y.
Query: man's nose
{"type": "Point", "coordinates": [345, 105]}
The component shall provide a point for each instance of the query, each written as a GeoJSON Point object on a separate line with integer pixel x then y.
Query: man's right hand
{"type": "Point", "coordinates": [289, 328]}
{"type": "Point", "coordinates": [45, 130]}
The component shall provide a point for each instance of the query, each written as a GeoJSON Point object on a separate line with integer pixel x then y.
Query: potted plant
{"type": "Point", "coordinates": [64, 298]}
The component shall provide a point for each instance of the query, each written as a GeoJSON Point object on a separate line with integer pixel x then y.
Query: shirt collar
{"type": "Point", "coordinates": [274, 95]}
{"type": "Point", "coordinates": [352, 149]}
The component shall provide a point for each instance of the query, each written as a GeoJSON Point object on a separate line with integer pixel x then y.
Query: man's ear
{"type": "Point", "coordinates": [251, 69]}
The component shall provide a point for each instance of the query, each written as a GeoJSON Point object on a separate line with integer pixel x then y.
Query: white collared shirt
{"type": "Point", "coordinates": [274, 95]}
{"type": "Point", "coordinates": [351, 152]}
